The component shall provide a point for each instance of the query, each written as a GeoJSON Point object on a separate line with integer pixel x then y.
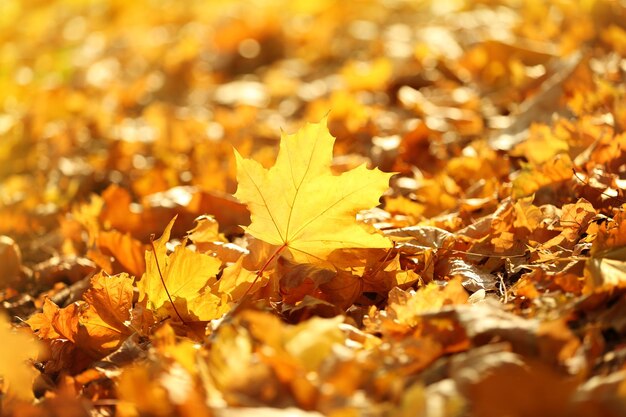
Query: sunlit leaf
{"type": "Point", "coordinates": [183, 278]}
{"type": "Point", "coordinates": [300, 204]}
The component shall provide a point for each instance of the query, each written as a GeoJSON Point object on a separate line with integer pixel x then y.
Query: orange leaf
{"type": "Point", "coordinates": [104, 320]}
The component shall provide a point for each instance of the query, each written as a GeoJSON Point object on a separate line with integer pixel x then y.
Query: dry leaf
{"type": "Point", "coordinates": [105, 320]}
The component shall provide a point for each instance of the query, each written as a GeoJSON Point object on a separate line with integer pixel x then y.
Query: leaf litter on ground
{"type": "Point", "coordinates": [362, 208]}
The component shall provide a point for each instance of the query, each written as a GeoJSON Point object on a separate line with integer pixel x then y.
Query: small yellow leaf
{"type": "Point", "coordinates": [55, 323]}
{"type": "Point", "coordinates": [206, 231]}
{"type": "Point", "coordinates": [186, 275]}
{"type": "Point", "coordinates": [531, 179]}
{"type": "Point", "coordinates": [406, 307]}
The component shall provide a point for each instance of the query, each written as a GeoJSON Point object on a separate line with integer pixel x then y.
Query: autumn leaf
{"type": "Point", "coordinates": [490, 280]}
{"type": "Point", "coordinates": [300, 205]}
{"type": "Point", "coordinates": [551, 173]}
{"type": "Point", "coordinates": [109, 299]}
{"type": "Point", "coordinates": [54, 322]}
{"type": "Point", "coordinates": [607, 264]}
{"type": "Point", "coordinates": [406, 307]}
{"type": "Point", "coordinates": [127, 251]}
{"type": "Point", "coordinates": [185, 276]}
{"type": "Point", "coordinates": [98, 323]}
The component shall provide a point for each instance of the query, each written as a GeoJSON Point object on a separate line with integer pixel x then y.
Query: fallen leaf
{"type": "Point", "coordinates": [104, 321]}
{"type": "Point", "coordinates": [55, 323]}
{"type": "Point", "coordinates": [126, 250]}
{"type": "Point", "coordinates": [473, 278]}
{"type": "Point", "coordinates": [300, 205]}
{"type": "Point", "coordinates": [182, 278]}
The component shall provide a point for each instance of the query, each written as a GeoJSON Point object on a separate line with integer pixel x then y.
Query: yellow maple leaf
{"type": "Point", "coordinates": [299, 205]}
{"type": "Point", "coordinates": [186, 275]}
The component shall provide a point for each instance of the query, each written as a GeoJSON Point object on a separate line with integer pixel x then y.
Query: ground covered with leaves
{"type": "Point", "coordinates": [308, 208]}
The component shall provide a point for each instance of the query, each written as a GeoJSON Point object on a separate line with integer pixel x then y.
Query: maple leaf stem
{"type": "Point", "coordinates": [381, 264]}
{"type": "Point", "coordinates": [265, 265]}
{"type": "Point", "coordinates": [245, 295]}
{"type": "Point", "coordinates": [156, 258]}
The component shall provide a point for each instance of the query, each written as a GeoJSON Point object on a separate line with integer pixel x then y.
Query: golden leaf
{"type": "Point", "coordinates": [127, 250]}
{"type": "Point", "coordinates": [54, 322]}
{"type": "Point", "coordinates": [186, 275]}
{"type": "Point", "coordinates": [551, 173]}
{"type": "Point", "coordinates": [299, 204]}
{"type": "Point", "coordinates": [110, 300]}
{"type": "Point", "coordinates": [406, 307]}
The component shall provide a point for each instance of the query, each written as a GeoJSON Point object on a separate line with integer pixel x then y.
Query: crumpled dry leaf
{"type": "Point", "coordinates": [473, 278]}
{"type": "Point", "coordinates": [105, 320]}
{"type": "Point", "coordinates": [98, 324]}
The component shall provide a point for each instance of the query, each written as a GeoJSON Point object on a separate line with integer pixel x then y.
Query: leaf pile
{"type": "Point", "coordinates": [363, 208]}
